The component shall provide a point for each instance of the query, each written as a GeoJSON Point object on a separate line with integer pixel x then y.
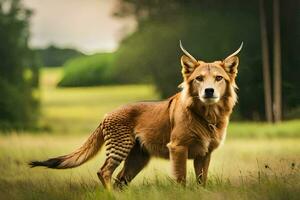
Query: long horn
{"type": "Point", "coordinates": [236, 52]}
{"type": "Point", "coordinates": [186, 52]}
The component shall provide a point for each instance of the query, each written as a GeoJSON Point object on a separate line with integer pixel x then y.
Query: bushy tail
{"type": "Point", "coordinates": [87, 151]}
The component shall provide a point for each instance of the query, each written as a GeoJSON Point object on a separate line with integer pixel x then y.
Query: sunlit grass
{"type": "Point", "coordinates": [264, 130]}
{"type": "Point", "coordinates": [80, 110]}
{"type": "Point", "coordinates": [50, 76]}
{"type": "Point", "coordinates": [240, 168]}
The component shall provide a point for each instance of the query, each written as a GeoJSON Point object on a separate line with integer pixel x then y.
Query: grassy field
{"type": "Point", "coordinates": [258, 161]}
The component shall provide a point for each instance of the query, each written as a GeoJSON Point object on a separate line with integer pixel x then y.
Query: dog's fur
{"type": "Point", "coordinates": [188, 125]}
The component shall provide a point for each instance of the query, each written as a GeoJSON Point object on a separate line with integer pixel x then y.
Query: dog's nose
{"type": "Point", "coordinates": [209, 92]}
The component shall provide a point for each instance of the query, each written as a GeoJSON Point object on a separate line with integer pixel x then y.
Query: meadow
{"type": "Point", "coordinates": [257, 161]}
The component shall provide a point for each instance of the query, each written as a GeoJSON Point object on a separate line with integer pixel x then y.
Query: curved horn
{"type": "Point", "coordinates": [186, 52]}
{"type": "Point", "coordinates": [236, 52]}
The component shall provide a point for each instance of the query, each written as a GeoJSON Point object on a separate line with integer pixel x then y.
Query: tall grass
{"type": "Point", "coordinates": [241, 169]}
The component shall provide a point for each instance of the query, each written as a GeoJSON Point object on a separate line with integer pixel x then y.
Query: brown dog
{"type": "Point", "coordinates": [188, 125]}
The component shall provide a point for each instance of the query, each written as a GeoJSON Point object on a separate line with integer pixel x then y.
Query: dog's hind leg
{"type": "Point", "coordinates": [137, 159]}
{"type": "Point", "coordinates": [106, 171]}
{"type": "Point", "coordinates": [118, 141]}
{"type": "Point", "coordinates": [112, 161]}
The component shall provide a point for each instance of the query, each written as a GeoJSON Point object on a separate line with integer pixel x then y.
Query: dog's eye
{"type": "Point", "coordinates": [199, 78]}
{"type": "Point", "coordinates": [219, 78]}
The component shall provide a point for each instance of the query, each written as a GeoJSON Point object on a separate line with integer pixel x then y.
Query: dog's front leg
{"type": "Point", "coordinates": [178, 157]}
{"type": "Point", "coordinates": [201, 165]}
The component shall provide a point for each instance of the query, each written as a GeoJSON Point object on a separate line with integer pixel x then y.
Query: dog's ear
{"type": "Point", "coordinates": [188, 66]}
{"type": "Point", "coordinates": [188, 62]}
{"type": "Point", "coordinates": [230, 66]}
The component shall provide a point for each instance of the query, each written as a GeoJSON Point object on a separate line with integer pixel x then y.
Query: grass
{"type": "Point", "coordinates": [256, 162]}
{"type": "Point", "coordinates": [242, 168]}
{"type": "Point", "coordinates": [285, 129]}
{"type": "Point", "coordinates": [79, 110]}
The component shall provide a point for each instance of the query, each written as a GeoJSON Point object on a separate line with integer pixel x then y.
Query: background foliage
{"type": "Point", "coordinates": [88, 71]}
{"type": "Point", "coordinates": [53, 56]}
{"type": "Point", "coordinates": [210, 30]}
{"type": "Point", "coordinates": [18, 69]}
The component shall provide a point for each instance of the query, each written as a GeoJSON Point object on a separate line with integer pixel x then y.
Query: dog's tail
{"type": "Point", "coordinates": [87, 151]}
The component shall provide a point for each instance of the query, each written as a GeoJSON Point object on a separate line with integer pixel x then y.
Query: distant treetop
{"type": "Point", "coordinates": [54, 56]}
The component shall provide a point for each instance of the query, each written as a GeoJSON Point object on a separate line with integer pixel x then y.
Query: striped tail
{"type": "Point", "coordinates": [87, 151]}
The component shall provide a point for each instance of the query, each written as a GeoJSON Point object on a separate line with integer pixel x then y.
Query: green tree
{"type": "Point", "coordinates": [18, 71]}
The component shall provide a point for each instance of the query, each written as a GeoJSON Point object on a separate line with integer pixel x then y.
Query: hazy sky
{"type": "Point", "coordinates": [83, 24]}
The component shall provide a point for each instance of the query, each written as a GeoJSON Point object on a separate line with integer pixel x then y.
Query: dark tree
{"type": "Point", "coordinates": [277, 63]}
{"type": "Point", "coordinates": [18, 71]}
{"type": "Point", "coordinates": [266, 63]}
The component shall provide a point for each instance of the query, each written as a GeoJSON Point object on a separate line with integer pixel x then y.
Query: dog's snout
{"type": "Point", "coordinates": [209, 92]}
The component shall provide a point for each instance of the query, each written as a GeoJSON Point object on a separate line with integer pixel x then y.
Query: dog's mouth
{"type": "Point", "coordinates": [209, 100]}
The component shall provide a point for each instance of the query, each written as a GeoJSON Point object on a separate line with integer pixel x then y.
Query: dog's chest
{"type": "Point", "coordinates": [205, 140]}
{"type": "Point", "coordinates": [197, 149]}
{"type": "Point", "coordinates": [202, 147]}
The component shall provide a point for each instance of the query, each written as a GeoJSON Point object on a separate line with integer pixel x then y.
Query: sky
{"type": "Point", "coordinates": [87, 25]}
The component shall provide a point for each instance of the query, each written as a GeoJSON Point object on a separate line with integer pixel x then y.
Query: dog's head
{"type": "Point", "coordinates": [209, 82]}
